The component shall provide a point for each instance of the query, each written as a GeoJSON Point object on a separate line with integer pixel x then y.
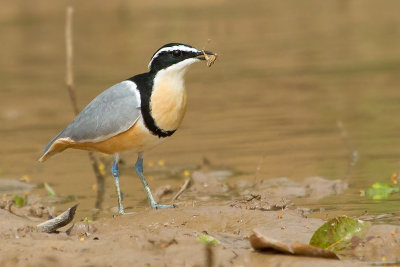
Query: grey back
{"type": "Point", "coordinates": [112, 112]}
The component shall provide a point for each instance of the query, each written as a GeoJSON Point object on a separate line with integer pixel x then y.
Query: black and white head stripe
{"type": "Point", "coordinates": [168, 48]}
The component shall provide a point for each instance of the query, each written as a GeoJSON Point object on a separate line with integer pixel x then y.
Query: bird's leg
{"type": "Point", "coordinates": [115, 173]}
{"type": "Point", "coordinates": [139, 170]}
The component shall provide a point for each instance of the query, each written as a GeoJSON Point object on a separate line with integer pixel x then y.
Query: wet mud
{"type": "Point", "coordinates": [169, 238]}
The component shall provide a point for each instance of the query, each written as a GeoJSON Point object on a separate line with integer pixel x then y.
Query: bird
{"type": "Point", "coordinates": [135, 115]}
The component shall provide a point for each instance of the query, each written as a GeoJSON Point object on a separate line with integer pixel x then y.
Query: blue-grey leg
{"type": "Point", "coordinates": [115, 173]}
{"type": "Point", "coordinates": [139, 170]}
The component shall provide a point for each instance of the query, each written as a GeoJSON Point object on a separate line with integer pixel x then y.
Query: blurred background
{"type": "Point", "coordinates": [287, 73]}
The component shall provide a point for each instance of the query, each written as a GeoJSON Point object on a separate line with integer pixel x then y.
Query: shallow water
{"type": "Point", "coordinates": [286, 74]}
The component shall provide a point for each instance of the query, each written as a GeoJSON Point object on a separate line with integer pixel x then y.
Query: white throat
{"type": "Point", "coordinates": [177, 70]}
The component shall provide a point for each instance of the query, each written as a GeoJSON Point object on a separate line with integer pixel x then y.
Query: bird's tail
{"type": "Point", "coordinates": [55, 146]}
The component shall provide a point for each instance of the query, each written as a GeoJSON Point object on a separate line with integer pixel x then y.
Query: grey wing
{"type": "Point", "coordinates": [112, 112]}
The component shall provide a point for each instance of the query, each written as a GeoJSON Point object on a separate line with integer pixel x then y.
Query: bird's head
{"type": "Point", "coordinates": [177, 56]}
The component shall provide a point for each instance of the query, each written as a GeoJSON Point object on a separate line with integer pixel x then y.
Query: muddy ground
{"type": "Point", "coordinates": [169, 237]}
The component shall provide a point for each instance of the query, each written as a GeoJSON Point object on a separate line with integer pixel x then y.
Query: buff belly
{"type": "Point", "coordinates": [138, 138]}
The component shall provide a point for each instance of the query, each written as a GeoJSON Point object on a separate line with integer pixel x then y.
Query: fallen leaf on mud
{"type": "Point", "coordinates": [65, 218]}
{"type": "Point", "coordinates": [19, 201]}
{"type": "Point", "coordinates": [49, 190]}
{"type": "Point", "coordinates": [208, 240]}
{"type": "Point", "coordinates": [381, 191]}
{"type": "Point", "coordinates": [263, 243]}
{"type": "Point", "coordinates": [340, 233]}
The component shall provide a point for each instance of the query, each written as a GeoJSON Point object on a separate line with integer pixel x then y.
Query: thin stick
{"type": "Point", "coordinates": [70, 74]}
{"type": "Point", "coordinates": [183, 188]}
{"type": "Point", "coordinates": [209, 256]}
{"type": "Point", "coordinates": [354, 155]}
{"type": "Point", "coordinates": [258, 170]}
{"type": "Point", "coordinates": [70, 87]}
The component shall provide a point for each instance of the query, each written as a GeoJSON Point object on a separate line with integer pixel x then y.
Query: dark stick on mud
{"type": "Point", "coordinates": [209, 256]}
{"type": "Point", "coordinates": [70, 86]}
{"type": "Point", "coordinates": [353, 153]}
{"type": "Point", "coordinates": [65, 218]}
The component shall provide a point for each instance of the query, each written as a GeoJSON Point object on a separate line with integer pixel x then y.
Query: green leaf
{"type": "Point", "coordinates": [381, 191]}
{"type": "Point", "coordinates": [208, 240]}
{"type": "Point", "coordinates": [49, 190]}
{"type": "Point", "coordinates": [19, 201]}
{"type": "Point", "coordinates": [340, 233]}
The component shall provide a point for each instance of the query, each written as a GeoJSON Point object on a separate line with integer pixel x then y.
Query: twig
{"type": "Point", "coordinates": [69, 46]}
{"type": "Point", "coordinates": [209, 256]}
{"type": "Point", "coordinates": [258, 170]}
{"type": "Point", "coordinates": [70, 87]}
{"type": "Point", "coordinates": [354, 155]}
{"type": "Point", "coordinates": [183, 188]}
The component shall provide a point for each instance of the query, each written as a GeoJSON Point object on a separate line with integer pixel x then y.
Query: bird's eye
{"type": "Point", "coordinates": [176, 53]}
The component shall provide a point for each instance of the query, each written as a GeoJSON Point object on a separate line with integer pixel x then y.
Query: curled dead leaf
{"type": "Point", "coordinates": [65, 218]}
{"type": "Point", "coordinates": [260, 242]}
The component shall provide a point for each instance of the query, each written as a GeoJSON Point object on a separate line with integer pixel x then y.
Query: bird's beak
{"type": "Point", "coordinates": [202, 57]}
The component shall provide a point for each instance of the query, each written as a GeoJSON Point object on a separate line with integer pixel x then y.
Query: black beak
{"type": "Point", "coordinates": [202, 57]}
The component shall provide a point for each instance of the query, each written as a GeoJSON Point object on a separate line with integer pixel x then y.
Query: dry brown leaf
{"type": "Point", "coordinates": [260, 242]}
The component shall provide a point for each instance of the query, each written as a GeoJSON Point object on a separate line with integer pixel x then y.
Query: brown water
{"type": "Point", "coordinates": [287, 73]}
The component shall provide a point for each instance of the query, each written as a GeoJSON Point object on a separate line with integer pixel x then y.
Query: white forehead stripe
{"type": "Point", "coordinates": [172, 48]}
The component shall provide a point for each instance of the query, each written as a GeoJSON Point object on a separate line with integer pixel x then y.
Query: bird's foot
{"type": "Point", "coordinates": [157, 206]}
{"type": "Point", "coordinates": [121, 211]}
{"type": "Point", "coordinates": [125, 213]}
